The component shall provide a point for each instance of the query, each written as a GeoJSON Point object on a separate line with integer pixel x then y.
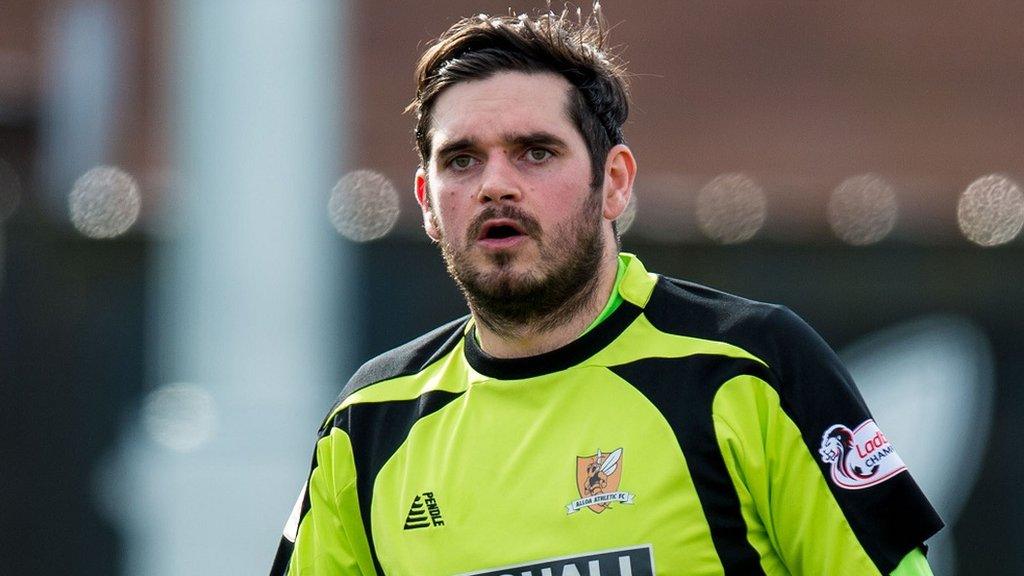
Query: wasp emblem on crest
{"type": "Point", "coordinates": [597, 480]}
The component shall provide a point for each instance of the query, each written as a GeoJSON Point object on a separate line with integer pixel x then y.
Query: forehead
{"type": "Point", "coordinates": [506, 103]}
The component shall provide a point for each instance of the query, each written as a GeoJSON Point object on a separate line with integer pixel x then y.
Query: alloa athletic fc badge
{"type": "Point", "coordinates": [597, 479]}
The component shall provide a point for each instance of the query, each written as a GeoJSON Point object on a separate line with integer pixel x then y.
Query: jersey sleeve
{"type": "Point", "coordinates": [325, 536]}
{"type": "Point", "coordinates": [815, 474]}
{"type": "Point", "coordinates": [913, 564]}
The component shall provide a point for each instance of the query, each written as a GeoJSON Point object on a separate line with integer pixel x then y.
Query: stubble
{"type": "Point", "coordinates": [511, 303]}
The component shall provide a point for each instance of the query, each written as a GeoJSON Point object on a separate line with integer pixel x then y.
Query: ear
{"type": "Point", "coordinates": [619, 173]}
{"type": "Point", "coordinates": [423, 199]}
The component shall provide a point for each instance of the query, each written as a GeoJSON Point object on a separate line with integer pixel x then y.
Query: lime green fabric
{"type": "Point", "coordinates": [331, 533]}
{"type": "Point", "coordinates": [913, 564]}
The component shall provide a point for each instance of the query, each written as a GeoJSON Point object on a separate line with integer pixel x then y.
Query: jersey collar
{"type": "Point", "coordinates": [635, 289]}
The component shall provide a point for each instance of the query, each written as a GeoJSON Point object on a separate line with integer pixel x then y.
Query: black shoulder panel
{"type": "Point", "coordinates": [815, 391]}
{"type": "Point", "coordinates": [408, 358]}
{"type": "Point", "coordinates": [685, 308]}
{"type": "Point", "coordinates": [683, 390]}
{"type": "Point", "coordinates": [812, 383]}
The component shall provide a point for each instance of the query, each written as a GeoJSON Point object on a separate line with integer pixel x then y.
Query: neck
{"type": "Point", "coordinates": [540, 337]}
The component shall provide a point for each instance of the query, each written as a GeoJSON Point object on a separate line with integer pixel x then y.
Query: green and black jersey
{"type": "Point", "coordinates": [691, 432]}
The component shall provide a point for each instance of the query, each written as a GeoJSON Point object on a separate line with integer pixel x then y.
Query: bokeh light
{"type": "Point", "coordinates": [104, 202]}
{"type": "Point", "coordinates": [991, 210]}
{"type": "Point", "coordinates": [731, 208]}
{"type": "Point", "coordinates": [180, 417]}
{"type": "Point", "coordinates": [10, 190]}
{"type": "Point", "coordinates": [625, 220]}
{"type": "Point", "coordinates": [363, 205]}
{"type": "Point", "coordinates": [863, 209]}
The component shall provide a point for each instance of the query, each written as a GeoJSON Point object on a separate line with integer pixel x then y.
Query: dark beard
{"type": "Point", "coordinates": [510, 305]}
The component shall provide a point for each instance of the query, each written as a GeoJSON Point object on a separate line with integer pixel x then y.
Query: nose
{"type": "Point", "coordinates": [499, 182]}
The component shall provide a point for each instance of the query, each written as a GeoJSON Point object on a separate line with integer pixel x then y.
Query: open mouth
{"type": "Point", "coordinates": [500, 230]}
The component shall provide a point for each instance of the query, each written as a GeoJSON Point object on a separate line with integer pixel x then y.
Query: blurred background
{"type": "Point", "coordinates": [206, 223]}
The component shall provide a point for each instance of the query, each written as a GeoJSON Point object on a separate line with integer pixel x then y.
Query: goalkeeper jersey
{"type": "Point", "coordinates": [691, 433]}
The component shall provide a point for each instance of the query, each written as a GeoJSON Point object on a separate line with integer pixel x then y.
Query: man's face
{"type": "Point", "coordinates": [507, 194]}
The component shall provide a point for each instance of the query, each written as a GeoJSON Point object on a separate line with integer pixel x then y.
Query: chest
{"type": "Point", "coordinates": [577, 476]}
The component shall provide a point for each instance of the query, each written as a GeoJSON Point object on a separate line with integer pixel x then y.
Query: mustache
{"type": "Point", "coordinates": [528, 224]}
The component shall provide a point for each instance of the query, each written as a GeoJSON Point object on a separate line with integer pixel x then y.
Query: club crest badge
{"type": "Point", "coordinates": [859, 458]}
{"type": "Point", "coordinates": [597, 479]}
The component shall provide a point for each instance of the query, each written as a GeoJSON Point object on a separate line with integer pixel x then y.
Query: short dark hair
{"type": "Point", "coordinates": [479, 47]}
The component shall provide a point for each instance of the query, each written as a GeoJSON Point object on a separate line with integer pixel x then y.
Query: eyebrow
{"type": "Point", "coordinates": [528, 140]}
{"type": "Point", "coordinates": [454, 147]}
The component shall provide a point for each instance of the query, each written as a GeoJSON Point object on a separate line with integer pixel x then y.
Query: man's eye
{"type": "Point", "coordinates": [461, 162]}
{"type": "Point", "coordinates": [538, 154]}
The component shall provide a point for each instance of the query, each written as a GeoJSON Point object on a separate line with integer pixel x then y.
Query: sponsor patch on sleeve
{"type": "Point", "coordinates": [861, 457]}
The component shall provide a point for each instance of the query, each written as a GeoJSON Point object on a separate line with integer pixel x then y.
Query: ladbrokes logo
{"type": "Point", "coordinates": [638, 561]}
{"type": "Point", "coordinates": [860, 458]}
{"type": "Point", "coordinates": [597, 478]}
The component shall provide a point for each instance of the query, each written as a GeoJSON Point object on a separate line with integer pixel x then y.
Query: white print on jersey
{"type": "Point", "coordinates": [860, 458]}
{"type": "Point", "coordinates": [291, 527]}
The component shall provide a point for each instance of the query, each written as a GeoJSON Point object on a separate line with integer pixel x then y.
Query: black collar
{"type": "Point", "coordinates": [558, 359]}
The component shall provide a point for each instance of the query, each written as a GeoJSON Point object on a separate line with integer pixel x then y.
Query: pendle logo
{"type": "Point", "coordinates": [638, 561]}
{"type": "Point", "coordinates": [423, 512]}
{"type": "Point", "coordinates": [859, 458]}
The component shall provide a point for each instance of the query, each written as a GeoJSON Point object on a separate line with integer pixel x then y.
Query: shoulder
{"type": "Point", "coordinates": [771, 332]}
{"type": "Point", "coordinates": [814, 387]}
{"type": "Point", "coordinates": [679, 306]}
{"type": "Point", "coordinates": [407, 359]}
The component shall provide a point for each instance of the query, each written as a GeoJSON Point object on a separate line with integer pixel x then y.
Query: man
{"type": "Point", "coordinates": [588, 417]}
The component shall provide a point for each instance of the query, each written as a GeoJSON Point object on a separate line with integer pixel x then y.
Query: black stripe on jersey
{"type": "Point", "coordinates": [815, 392]}
{"type": "Point", "coordinates": [407, 359]}
{"type": "Point", "coordinates": [559, 359]}
{"type": "Point", "coordinates": [282, 558]}
{"type": "Point", "coordinates": [377, 430]}
{"type": "Point", "coordinates": [683, 389]}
